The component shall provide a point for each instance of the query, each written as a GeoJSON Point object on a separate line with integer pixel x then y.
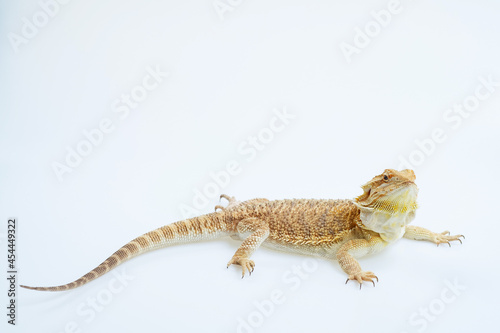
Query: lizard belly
{"type": "Point", "coordinates": [323, 251]}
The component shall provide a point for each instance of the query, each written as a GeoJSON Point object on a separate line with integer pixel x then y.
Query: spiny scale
{"type": "Point", "coordinates": [395, 207]}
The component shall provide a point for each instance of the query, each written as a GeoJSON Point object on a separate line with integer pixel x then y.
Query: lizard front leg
{"type": "Point", "coordinates": [259, 231]}
{"type": "Point", "coordinates": [419, 233]}
{"type": "Point", "coordinates": [357, 248]}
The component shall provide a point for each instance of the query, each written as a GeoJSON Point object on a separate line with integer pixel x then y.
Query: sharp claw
{"type": "Point", "coordinates": [376, 278]}
{"type": "Point", "coordinates": [346, 280]}
{"type": "Point", "coordinates": [360, 286]}
{"type": "Point", "coordinates": [373, 283]}
{"type": "Point", "coordinates": [449, 244]}
{"type": "Point", "coordinates": [462, 236]}
{"type": "Point", "coordinates": [227, 197]}
{"type": "Point", "coordinates": [458, 239]}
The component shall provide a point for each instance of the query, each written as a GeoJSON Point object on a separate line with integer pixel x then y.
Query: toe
{"type": "Point", "coordinates": [363, 276]}
{"type": "Point", "coordinates": [225, 196]}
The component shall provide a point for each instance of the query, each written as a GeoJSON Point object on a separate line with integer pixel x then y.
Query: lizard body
{"type": "Point", "coordinates": [342, 230]}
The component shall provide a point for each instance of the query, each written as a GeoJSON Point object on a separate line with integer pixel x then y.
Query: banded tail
{"type": "Point", "coordinates": [203, 227]}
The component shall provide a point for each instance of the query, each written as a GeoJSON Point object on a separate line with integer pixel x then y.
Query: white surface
{"type": "Point", "coordinates": [226, 77]}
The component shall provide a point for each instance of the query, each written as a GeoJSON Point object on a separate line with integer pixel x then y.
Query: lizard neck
{"type": "Point", "coordinates": [388, 214]}
{"type": "Point", "coordinates": [390, 226]}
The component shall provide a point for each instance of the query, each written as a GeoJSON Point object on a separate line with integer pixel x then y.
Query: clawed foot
{"type": "Point", "coordinates": [246, 265]}
{"type": "Point", "coordinates": [231, 202]}
{"type": "Point", "coordinates": [362, 276]}
{"type": "Point", "coordinates": [445, 237]}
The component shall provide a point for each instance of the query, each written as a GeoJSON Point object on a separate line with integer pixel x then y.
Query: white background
{"type": "Point", "coordinates": [226, 76]}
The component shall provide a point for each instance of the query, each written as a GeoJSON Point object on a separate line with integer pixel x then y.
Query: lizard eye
{"type": "Point", "coordinates": [386, 177]}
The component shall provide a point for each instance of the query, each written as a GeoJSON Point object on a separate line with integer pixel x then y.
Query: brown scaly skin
{"type": "Point", "coordinates": [341, 230]}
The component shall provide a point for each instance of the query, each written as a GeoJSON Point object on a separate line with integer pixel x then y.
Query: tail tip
{"type": "Point", "coordinates": [28, 287]}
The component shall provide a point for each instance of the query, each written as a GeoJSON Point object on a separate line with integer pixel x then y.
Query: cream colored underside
{"type": "Point", "coordinates": [308, 250]}
{"type": "Point", "coordinates": [328, 252]}
{"type": "Point", "coordinates": [391, 227]}
{"type": "Point", "coordinates": [323, 251]}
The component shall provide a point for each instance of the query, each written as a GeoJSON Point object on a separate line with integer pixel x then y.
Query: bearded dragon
{"type": "Point", "coordinates": [341, 230]}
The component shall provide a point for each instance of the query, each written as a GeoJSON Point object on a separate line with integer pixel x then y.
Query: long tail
{"type": "Point", "coordinates": [203, 227]}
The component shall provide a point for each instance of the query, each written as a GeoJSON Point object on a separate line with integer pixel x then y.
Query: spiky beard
{"type": "Point", "coordinates": [390, 214]}
{"type": "Point", "coordinates": [400, 202]}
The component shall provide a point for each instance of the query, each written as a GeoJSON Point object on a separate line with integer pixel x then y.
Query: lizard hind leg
{"type": "Point", "coordinates": [258, 231]}
{"type": "Point", "coordinates": [231, 202]}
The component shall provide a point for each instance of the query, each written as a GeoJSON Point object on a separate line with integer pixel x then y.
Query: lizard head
{"type": "Point", "coordinates": [391, 192]}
